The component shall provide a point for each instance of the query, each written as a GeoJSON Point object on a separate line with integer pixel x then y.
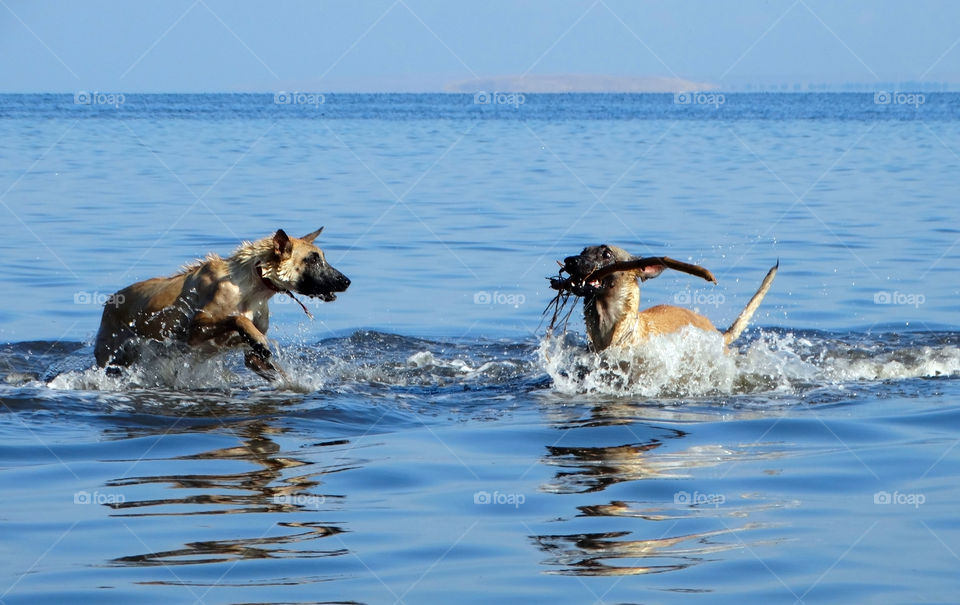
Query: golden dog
{"type": "Point", "coordinates": [611, 304]}
{"type": "Point", "coordinates": [217, 303]}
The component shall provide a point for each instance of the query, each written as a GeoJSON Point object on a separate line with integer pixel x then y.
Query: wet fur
{"type": "Point", "coordinates": [217, 303]}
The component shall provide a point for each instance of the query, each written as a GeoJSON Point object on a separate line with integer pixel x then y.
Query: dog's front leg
{"type": "Point", "coordinates": [264, 368]}
{"type": "Point", "coordinates": [205, 327]}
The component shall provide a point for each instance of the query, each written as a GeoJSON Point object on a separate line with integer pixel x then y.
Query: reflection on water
{"type": "Point", "coordinates": [678, 540]}
{"type": "Point", "coordinates": [596, 468]}
{"type": "Point", "coordinates": [593, 469]}
{"type": "Point", "coordinates": [219, 551]}
{"type": "Point", "coordinates": [612, 411]}
{"type": "Point", "coordinates": [585, 554]}
{"type": "Point", "coordinates": [277, 485]}
{"type": "Point", "coordinates": [682, 511]}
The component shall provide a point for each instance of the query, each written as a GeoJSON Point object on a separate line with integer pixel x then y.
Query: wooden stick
{"type": "Point", "coordinates": [567, 283]}
{"type": "Point", "coordinates": [642, 263]}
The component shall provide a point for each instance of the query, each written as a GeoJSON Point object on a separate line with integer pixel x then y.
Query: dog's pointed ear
{"type": "Point", "coordinates": [312, 236]}
{"type": "Point", "coordinates": [650, 271]}
{"type": "Point", "coordinates": [282, 246]}
{"type": "Point", "coordinates": [655, 265]}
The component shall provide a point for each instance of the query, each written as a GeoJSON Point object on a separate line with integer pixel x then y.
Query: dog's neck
{"type": "Point", "coordinates": [611, 315]}
{"type": "Point", "coordinates": [249, 278]}
{"type": "Point", "coordinates": [248, 265]}
{"type": "Point", "coordinates": [269, 285]}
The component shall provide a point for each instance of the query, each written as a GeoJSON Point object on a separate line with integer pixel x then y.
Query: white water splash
{"type": "Point", "coordinates": [422, 368]}
{"type": "Point", "coordinates": [693, 363]}
{"type": "Point", "coordinates": [155, 370]}
{"type": "Point", "coordinates": [690, 363]}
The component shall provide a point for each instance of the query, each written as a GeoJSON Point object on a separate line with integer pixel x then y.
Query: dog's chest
{"type": "Point", "coordinates": [250, 306]}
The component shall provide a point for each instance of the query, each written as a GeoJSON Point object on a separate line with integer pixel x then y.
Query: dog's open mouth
{"type": "Point", "coordinates": [581, 286]}
{"type": "Point", "coordinates": [578, 285]}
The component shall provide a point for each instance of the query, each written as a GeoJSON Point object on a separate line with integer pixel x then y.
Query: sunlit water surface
{"type": "Point", "coordinates": [432, 443]}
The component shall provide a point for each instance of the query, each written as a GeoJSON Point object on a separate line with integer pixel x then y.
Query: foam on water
{"type": "Point", "coordinates": [157, 371]}
{"type": "Point", "coordinates": [693, 363]}
{"type": "Point", "coordinates": [365, 359]}
{"type": "Point", "coordinates": [690, 363]}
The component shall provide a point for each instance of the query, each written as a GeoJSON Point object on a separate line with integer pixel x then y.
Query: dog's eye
{"type": "Point", "coordinates": [313, 258]}
{"type": "Point", "coordinates": [606, 255]}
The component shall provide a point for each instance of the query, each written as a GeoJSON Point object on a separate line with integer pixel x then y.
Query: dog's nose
{"type": "Point", "coordinates": [577, 265]}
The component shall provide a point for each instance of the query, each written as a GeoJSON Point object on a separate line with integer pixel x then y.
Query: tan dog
{"type": "Point", "coordinates": [217, 303]}
{"type": "Point", "coordinates": [611, 305]}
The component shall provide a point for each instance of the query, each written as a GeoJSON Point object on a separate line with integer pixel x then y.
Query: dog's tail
{"type": "Point", "coordinates": [740, 324]}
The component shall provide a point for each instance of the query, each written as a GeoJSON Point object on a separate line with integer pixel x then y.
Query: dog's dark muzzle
{"type": "Point", "coordinates": [323, 283]}
{"type": "Point", "coordinates": [579, 267]}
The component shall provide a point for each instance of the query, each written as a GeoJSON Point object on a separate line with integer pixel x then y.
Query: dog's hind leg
{"type": "Point", "coordinates": [125, 355]}
{"type": "Point", "coordinates": [119, 351]}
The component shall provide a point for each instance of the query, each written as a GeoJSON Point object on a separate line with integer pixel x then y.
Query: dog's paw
{"type": "Point", "coordinates": [261, 350]}
{"type": "Point", "coordinates": [265, 368]}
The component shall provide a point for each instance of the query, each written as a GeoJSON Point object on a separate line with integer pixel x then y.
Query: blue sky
{"type": "Point", "coordinates": [415, 45]}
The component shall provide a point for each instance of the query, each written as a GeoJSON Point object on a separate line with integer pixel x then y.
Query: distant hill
{"type": "Point", "coordinates": [577, 83]}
